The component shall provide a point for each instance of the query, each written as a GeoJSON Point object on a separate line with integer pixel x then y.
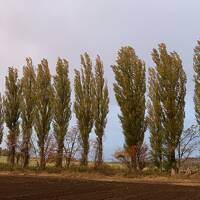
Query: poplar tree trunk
{"type": "Point", "coordinates": [172, 160]}
{"type": "Point", "coordinates": [133, 166]}
{"type": "Point", "coordinates": [26, 155]}
{"type": "Point", "coordinates": [84, 160]}
{"type": "Point", "coordinates": [59, 157]}
{"type": "Point", "coordinates": [160, 162]}
{"type": "Point", "coordinates": [12, 146]}
{"type": "Point", "coordinates": [99, 160]}
{"type": "Point", "coordinates": [26, 142]}
{"type": "Point", "coordinates": [42, 157]}
{"type": "Point", "coordinates": [11, 157]}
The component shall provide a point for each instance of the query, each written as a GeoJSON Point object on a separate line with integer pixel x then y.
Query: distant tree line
{"type": "Point", "coordinates": [40, 103]}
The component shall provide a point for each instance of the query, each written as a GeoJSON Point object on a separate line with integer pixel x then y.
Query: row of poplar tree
{"type": "Point", "coordinates": [37, 102]}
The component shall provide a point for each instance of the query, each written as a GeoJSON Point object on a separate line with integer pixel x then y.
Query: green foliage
{"type": "Point", "coordinates": [197, 81]}
{"type": "Point", "coordinates": [172, 89]}
{"type": "Point", "coordinates": [11, 103]}
{"type": "Point", "coordinates": [83, 105]}
{"type": "Point", "coordinates": [101, 101]}
{"type": "Point", "coordinates": [43, 109]}
{"type": "Point", "coordinates": [27, 107]}
{"type": "Point", "coordinates": [130, 91]}
{"type": "Point", "coordinates": [155, 120]}
{"type": "Point", "coordinates": [62, 106]}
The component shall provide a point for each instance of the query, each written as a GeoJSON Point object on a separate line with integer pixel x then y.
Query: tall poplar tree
{"type": "Point", "coordinates": [101, 101]}
{"type": "Point", "coordinates": [155, 120]}
{"type": "Point", "coordinates": [130, 88]}
{"type": "Point", "coordinates": [43, 109]}
{"type": "Point", "coordinates": [1, 119]}
{"type": "Point", "coordinates": [27, 107]}
{"type": "Point", "coordinates": [196, 61]}
{"type": "Point", "coordinates": [62, 106]}
{"type": "Point", "coordinates": [172, 89]}
{"type": "Point", "coordinates": [83, 105]}
{"type": "Point", "coordinates": [12, 111]}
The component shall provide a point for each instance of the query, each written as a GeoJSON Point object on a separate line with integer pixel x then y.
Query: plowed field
{"type": "Point", "coordinates": [46, 188]}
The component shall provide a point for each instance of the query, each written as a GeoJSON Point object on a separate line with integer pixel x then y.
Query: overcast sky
{"type": "Point", "coordinates": [68, 28]}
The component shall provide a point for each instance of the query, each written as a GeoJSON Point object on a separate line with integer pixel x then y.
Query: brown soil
{"type": "Point", "coordinates": [55, 188]}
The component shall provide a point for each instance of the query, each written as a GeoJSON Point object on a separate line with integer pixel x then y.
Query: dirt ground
{"type": "Point", "coordinates": [52, 188]}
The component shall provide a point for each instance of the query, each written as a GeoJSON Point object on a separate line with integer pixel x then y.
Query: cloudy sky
{"type": "Point", "coordinates": [68, 28]}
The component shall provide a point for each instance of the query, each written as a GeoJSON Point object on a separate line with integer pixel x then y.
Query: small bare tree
{"type": "Point", "coordinates": [34, 150]}
{"type": "Point", "coordinates": [189, 142]}
{"type": "Point", "coordinates": [138, 152]}
{"type": "Point", "coordinates": [72, 145]}
{"type": "Point", "coordinates": [50, 149]}
{"type": "Point", "coordinates": [94, 151]}
{"type": "Point", "coordinates": [19, 158]}
{"type": "Point", "coordinates": [141, 155]}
